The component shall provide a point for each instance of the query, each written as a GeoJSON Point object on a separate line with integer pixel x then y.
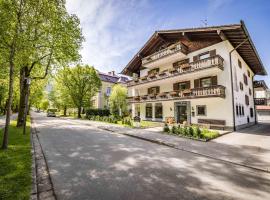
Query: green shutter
{"type": "Point", "coordinates": [196, 83]}
{"type": "Point", "coordinates": [214, 80]}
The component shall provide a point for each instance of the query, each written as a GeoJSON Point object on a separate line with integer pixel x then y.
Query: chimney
{"type": "Point", "coordinates": [112, 73]}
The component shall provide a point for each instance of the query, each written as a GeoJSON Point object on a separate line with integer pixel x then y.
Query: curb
{"type": "Point", "coordinates": [160, 142]}
{"type": "Point", "coordinates": [42, 186]}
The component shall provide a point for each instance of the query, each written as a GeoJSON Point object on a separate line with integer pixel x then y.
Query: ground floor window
{"type": "Point", "coordinates": [148, 110]}
{"type": "Point", "coordinates": [251, 112]}
{"type": "Point", "coordinates": [158, 110]}
{"type": "Point", "coordinates": [137, 110]}
{"type": "Point", "coordinates": [201, 110]}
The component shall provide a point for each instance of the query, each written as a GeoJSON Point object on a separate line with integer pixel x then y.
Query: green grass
{"type": "Point", "coordinates": [15, 165]}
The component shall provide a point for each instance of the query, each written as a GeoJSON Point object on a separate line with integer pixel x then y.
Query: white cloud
{"type": "Point", "coordinates": [114, 30]}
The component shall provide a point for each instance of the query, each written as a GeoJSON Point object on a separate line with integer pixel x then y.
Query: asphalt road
{"type": "Point", "coordinates": [89, 163]}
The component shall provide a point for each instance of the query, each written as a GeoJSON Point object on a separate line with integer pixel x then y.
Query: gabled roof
{"type": "Point", "coordinates": [260, 84]}
{"type": "Point", "coordinates": [235, 33]}
{"type": "Point", "coordinates": [112, 78]}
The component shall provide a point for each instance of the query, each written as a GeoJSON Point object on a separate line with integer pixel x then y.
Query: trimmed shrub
{"type": "Point", "coordinates": [166, 128]}
{"type": "Point", "coordinates": [190, 131]}
{"type": "Point", "coordinates": [197, 132]}
{"type": "Point", "coordinates": [97, 112]}
{"type": "Point", "coordinates": [174, 130]}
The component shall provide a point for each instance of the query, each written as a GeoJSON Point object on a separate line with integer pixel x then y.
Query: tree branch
{"type": "Point", "coordinates": [46, 70]}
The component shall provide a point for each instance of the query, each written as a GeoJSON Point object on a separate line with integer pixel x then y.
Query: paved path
{"type": "Point", "coordinates": [250, 147]}
{"type": "Point", "coordinates": [90, 163]}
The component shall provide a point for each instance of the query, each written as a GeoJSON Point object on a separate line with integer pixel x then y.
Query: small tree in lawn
{"type": "Point", "coordinates": [81, 83]}
{"type": "Point", "coordinates": [118, 100]}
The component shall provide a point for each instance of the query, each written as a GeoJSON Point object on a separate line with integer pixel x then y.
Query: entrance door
{"type": "Point", "coordinates": [181, 113]}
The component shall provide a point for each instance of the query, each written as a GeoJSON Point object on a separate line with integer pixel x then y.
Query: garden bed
{"type": "Point", "coordinates": [191, 132]}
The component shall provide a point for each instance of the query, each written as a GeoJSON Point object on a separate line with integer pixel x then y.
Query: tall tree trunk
{"type": "Point", "coordinates": [65, 110]}
{"type": "Point", "coordinates": [23, 90]}
{"type": "Point", "coordinates": [10, 99]}
{"type": "Point", "coordinates": [79, 112]}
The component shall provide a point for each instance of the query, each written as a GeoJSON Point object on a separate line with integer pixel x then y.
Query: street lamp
{"type": "Point", "coordinates": [27, 83]}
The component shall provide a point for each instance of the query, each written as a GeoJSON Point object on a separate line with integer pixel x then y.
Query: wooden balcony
{"type": "Point", "coordinates": [260, 101]}
{"type": "Point", "coordinates": [204, 92]}
{"type": "Point", "coordinates": [173, 49]}
{"type": "Point", "coordinates": [211, 62]}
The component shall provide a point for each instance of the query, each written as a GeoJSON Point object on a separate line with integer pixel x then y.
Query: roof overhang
{"type": "Point", "coordinates": [235, 34]}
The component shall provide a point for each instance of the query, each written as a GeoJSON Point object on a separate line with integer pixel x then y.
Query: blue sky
{"type": "Point", "coordinates": [116, 29]}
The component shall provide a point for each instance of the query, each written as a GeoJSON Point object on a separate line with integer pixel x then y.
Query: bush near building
{"type": "Point", "coordinates": [97, 112]}
{"type": "Point", "coordinates": [193, 132]}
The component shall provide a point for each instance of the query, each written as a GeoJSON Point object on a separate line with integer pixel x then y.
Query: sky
{"type": "Point", "coordinates": [115, 30]}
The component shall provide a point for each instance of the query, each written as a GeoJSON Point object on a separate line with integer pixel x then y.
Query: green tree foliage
{"type": "Point", "coordinates": [80, 83]}
{"type": "Point", "coordinates": [118, 100]}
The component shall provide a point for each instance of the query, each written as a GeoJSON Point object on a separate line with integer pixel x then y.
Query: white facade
{"type": "Point", "coordinates": [217, 107]}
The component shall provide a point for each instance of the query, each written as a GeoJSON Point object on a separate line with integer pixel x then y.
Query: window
{"type": "Point", "coordinates": [206, 82]}
{"type": "Point", "coordinates": [250, 92]}
{"type": "Point", "coordinates": [247, 100]}
{"type": "Point", "coordinates": [239, 64]}
{"type": "Point", "coordinates": [108, 91]}
{"type": "Point", "coordinates": [148, 110]}
{"type": "Point", "coordinates": [237, 113]}
{"type": "Point", "coordinates": [201, 110]}
{"type": "Point", "coordinates": [251, 112]}
{"type": "Point", "coordinates": [158, 110]}
{"type": "Point", "coordinates": [153, 90]}
{"type": "Point", "coordinates": [248, 72]}
{"type": "Point", "coordinates": [245, 79]}
{"type": "Point", "coordinates": [240, 110]}
{"type": "Point", "coordinates": [243, 113]}
{"type": "Point", "coordinates": [205, 55]}
{"type": "Point", "coordinates": [183, 86]}
{"type": "Point", "coordinates": [241, 85]}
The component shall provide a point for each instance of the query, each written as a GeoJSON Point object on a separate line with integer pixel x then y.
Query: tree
{"type": "Point", "coordinates": [53, 38]}
{"type": "Point", "coordinates": [118, 100]}
{"type": "Point", "coordinates": [81, 83]}
{"type": "Point", "coordinates": [11, 19]}
{"type": "Point", "coordinates": [44, 104]}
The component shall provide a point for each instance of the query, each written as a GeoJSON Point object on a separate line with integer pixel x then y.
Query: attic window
{"type": "Point", "coordinates": [204, 56]}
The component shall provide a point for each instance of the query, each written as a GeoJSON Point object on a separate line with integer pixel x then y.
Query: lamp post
{"type": "Point", "coordinates": [28, 82]}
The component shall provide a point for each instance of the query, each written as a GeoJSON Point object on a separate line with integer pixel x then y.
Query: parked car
{"type": "Point", "coordinates": [51, 112]}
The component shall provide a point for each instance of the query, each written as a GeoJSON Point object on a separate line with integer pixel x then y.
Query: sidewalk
{"type": "Point", "coordinates": [246, 155]}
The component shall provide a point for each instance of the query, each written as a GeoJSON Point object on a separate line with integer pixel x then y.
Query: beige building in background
{"type": "Point", "coordinates": [108, 80]}
{"type": "Point", "coordinates": [198, 76]}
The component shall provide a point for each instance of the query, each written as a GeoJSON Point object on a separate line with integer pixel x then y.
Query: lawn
{"type": "Point", "coordinates": [15, 165]}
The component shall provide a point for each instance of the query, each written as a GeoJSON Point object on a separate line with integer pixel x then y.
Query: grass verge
{"type": "Point", "coordinates": [15, 164]}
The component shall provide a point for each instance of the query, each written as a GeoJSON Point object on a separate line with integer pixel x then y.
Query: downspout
{"type": "Point", "coordinates": [230, 55]}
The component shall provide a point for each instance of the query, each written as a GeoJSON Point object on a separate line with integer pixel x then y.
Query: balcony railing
{"type": "Point", "coordinates": [214, 61]}
{"type": "Point", "coordinates": [260, 101]}
{"type": "Point", "coordinates": [212, 91]}
{"type": "Point", "coordinates": [175, 48]}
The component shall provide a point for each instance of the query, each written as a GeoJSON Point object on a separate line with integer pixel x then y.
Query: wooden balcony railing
{"type": "Point", "coordinates": [214, 61]}
{"type": "Point", "coordinates": [175, 48]}
{"type": "Point", "coordinates": [260, 101]}
{"type": "Point", "coordinates": [212, 91]}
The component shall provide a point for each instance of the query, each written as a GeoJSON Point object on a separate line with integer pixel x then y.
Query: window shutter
{"type": "Point", "coordinates": [195, 58]}
{"type": "Point", "coordinates": [196, 83]}
{"type": "Point", "coordinates": [214, 80]}
{"type": "Point", "coordinates": [158, 89]}
{"type": "Point", "coordinates": [212, 52]}
{"type": "Point", "coordinates": [175, 86]}
{"type": "Point", "coordinates": [149, 90]}
{"type": "Point", "coordinates": [188, 84]}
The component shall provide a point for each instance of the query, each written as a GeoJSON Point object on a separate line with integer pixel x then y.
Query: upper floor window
{"type": "Point", "coordinates": [248, 72]}
{"type": "Point", "coordinates": [241, 86]}
{"type": "Point", "coordinates": [237, 111]}
{"type": "Point", "coordinates": [251, 112]}
{"type": "Point", "coordinates": [153, 90]}
{"type": "Point", "coordinates": [204, 55]}
{"type": "Point", "coordinates": [206, 82]}
{"type": "Point", "coordinates": [240, 64]}
{"type": "Point", "coordinates": [245, 79]}
{"type": "Point", "coordinates": [108, 91]}
{"type": "Point", "coordinates": [247, 99]}
{"type": "Point", "coordinates": [250, 92]}
{"type": "Point", "coordinates": [153, 71]}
